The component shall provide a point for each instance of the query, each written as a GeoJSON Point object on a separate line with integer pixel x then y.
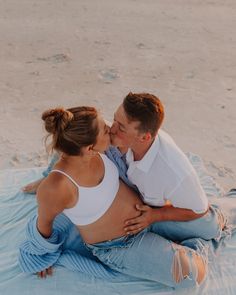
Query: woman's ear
{"type": "Point", "coordinates": [88, 149]}
{"type": "Point", "coordinates": [91, 150]}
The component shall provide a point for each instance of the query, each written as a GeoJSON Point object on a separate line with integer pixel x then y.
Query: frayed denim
{"type": "Point", "coordinates": [147, 255]}
{"type": "Point", "coordinates": [207, 227]}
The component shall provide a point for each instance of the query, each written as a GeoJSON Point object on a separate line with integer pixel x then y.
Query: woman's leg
{"type": "Point", "coordinates": [32, 187]}
{"type": "Point", "coordinates": [149, 256]}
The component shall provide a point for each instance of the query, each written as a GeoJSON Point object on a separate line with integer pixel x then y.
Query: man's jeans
{"type": "Point", "coordinates": [206, 227]}
{"type": "Point", "coordinates": [149, 256]}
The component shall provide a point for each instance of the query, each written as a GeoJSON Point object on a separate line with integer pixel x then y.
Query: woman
{"type": "Point", "coordinates": [85, 186]}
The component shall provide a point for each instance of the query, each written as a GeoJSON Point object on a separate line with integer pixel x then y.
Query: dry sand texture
{"type": "Point", "coordinates": [60, 52]}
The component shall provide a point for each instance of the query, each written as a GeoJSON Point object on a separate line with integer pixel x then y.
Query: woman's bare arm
{"type": "Point", "coordinates": [52, 200]}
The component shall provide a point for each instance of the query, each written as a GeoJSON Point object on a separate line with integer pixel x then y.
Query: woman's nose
{"type": "Point", "coordinates": [108, 129]}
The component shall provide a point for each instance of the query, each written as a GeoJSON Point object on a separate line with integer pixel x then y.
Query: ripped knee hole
{"type": "Point", "coordinates": [184, 263]}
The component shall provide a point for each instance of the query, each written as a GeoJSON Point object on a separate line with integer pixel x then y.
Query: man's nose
{"type": "Point", "coordinates": [113, 128]}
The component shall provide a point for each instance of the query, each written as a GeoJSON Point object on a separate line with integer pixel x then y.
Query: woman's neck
{"type": "Point", "coordinates": [77, 161]}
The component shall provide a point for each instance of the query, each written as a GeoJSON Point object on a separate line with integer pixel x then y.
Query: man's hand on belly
{"type": "Point", "coordinates": [149, 215]}
{"type": "Point", "coordinates": [135, 225]}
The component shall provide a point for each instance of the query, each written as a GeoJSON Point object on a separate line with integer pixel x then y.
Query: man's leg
{"type": "Point", "coordinates": [206, 227]}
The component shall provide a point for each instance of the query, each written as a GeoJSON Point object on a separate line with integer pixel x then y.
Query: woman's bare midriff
{"type": "Point", "coordinates": [111, 224]}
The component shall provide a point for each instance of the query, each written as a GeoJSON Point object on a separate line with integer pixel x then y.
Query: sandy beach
{"type": "Point", "coordinates": [78, 52]}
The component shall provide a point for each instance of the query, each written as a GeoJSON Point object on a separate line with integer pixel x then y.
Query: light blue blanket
{"type": "Point", "coordinates": [17, 208]}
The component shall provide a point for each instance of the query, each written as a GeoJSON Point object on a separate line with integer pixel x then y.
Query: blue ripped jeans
{"type": "Point", "coordinates": [206, 227]}
{"type": "Point", "coordinates": [147, 255]}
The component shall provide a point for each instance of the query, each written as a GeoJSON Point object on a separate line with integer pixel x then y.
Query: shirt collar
{"type": "Point", "coordinates": [145, 163]}
{"type": "Point", "coordinates": [114, 149]}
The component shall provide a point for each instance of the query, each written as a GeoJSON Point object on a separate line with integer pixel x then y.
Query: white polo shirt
{"type": "Point", "coordinates": [165, 173]}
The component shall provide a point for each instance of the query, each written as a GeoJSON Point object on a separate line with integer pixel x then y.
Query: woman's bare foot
{"type": "Point", "coordinates": [32, 187]}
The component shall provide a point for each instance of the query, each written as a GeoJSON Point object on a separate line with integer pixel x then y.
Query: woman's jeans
{"type": "Point", "coordinates": [147, 255]}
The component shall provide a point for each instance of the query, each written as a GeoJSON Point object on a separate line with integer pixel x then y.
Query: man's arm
{"type": "Point", "coordinates": [149, 215]}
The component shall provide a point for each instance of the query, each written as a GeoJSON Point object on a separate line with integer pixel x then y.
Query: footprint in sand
{"type": "Point", "coordinates": [190, 75]}
{"type": "Point", "coordinates": [57, 58]}
{"type": "Point", "coordinates": [220, 171]}
{"type": "Point", "coordinates": [140, 45]}
{"type": "Point", "coordinates": [15, 161]}
{"type": "Point", "coordinates": [109, 75]}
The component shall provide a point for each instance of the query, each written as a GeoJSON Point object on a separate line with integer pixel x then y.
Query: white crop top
{"type": "Point", "coordinates": [94, 201]}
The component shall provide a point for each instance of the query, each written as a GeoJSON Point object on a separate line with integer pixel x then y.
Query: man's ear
{"type": "Point", "coordinates": [146, 137]}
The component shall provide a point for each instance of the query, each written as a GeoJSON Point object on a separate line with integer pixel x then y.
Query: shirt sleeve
{"type": "Point", "coordinates": [189, 194]}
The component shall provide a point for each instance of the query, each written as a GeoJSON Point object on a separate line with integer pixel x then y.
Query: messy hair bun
{"type": "Point", "coordinates": [56, 120]}
{"type": "Point", "coordinates": [71, 129]}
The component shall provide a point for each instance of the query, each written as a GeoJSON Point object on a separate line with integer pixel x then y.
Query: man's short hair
{"type": "Point", "coordinates": [145, 108]}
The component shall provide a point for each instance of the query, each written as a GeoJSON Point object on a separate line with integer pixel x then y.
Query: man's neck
{"type": "Point", "coordinates": [140, 150]}
{"type": "Point", "coordinates": [123, 150]}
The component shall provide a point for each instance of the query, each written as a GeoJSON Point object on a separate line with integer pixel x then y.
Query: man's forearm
{"type": "Point", "coordinates": [170, 213]}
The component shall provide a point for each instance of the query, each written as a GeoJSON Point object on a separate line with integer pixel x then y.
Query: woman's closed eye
{"type": "Point", "coordinates": [107, 129]}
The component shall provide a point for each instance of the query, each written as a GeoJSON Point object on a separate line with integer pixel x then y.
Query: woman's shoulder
{"type": "Point", "coordinates": [56, 190]}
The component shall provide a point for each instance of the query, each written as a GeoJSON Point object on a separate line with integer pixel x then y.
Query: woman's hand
{"type": "Point", "coordinates": [44, 273]}
{"type": "Point", "coordinates": [135, 225]}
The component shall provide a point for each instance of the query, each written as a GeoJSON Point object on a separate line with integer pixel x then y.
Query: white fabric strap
{"type": "Point", "coordinates": [68, 176]}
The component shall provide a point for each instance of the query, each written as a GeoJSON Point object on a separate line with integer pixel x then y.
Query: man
{"type": "Point", "coordinates": [165, 178]}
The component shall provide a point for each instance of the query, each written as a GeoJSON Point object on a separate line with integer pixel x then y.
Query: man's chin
{"type": "Point", "coordinates": [114, 142]}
